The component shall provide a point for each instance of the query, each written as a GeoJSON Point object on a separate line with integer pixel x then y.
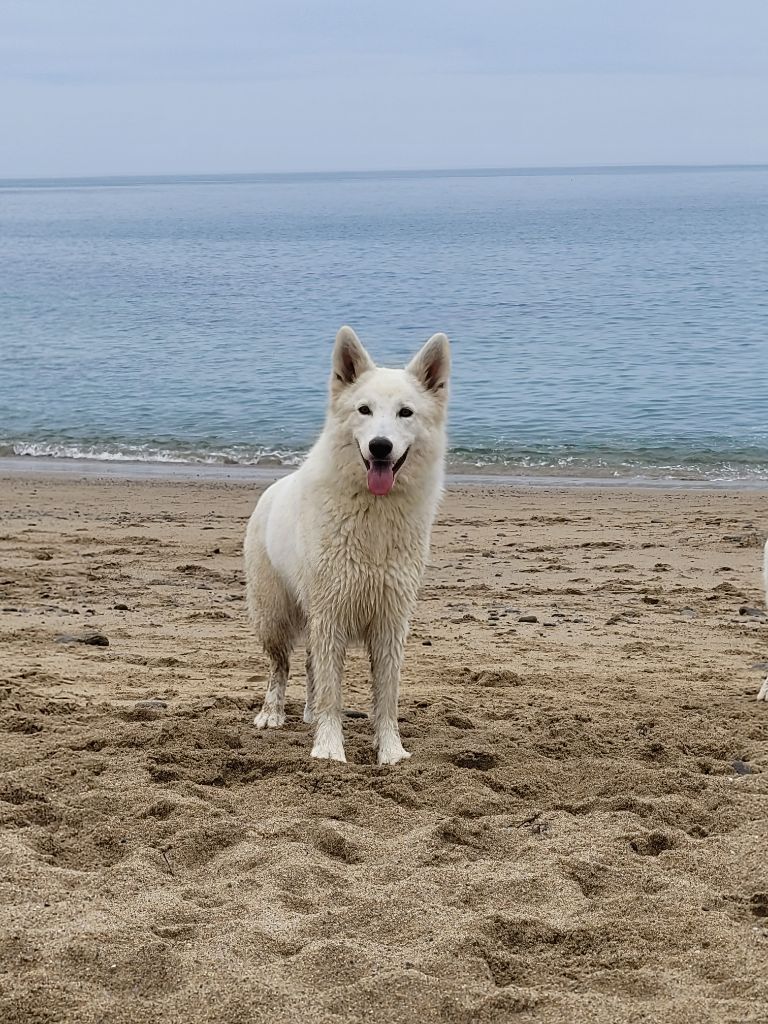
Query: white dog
{"type": "Point", "coordinates": [763, 694]}
{"type": "Point", "coordinates": [337, 549]}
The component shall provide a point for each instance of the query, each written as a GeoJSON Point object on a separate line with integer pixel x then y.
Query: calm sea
{"type": "Point", "coordinates": [604, 322]}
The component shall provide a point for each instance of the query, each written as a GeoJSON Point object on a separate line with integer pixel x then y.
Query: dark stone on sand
{"type": "Point", "coordinates": [351, 713]}
{"type": "Point", "coordinates": [649, 599]}
{"type": "Point", "coordinates": [755, 613]}
{"type": "Point", "coordinates": [528, 618]}
{"type": "Point", "coordinates": [121, 607]}
{"type": "Point", "coordinates": [742, 767]}
{"type": "Point", "coordinates": [91, 639]}
{"type": "Point", "coordinates": [745, 540]}
{"type": "Point", "coordinates": [426, 643]}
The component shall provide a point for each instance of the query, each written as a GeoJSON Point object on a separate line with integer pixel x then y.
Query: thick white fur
{"type": "Point", "coordinates": [763, 694]}
{"type": "Point", "coordinates": [326, 558]}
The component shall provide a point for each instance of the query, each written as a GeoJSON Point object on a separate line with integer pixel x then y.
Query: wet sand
{"type": "Point", "coordinates": [580, 835]}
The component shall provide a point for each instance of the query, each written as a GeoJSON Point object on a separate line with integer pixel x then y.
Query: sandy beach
{"type": "Point", "coordinates": [580, 835]}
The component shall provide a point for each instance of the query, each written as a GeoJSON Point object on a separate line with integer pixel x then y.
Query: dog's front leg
{"type": "Point", "coordinates": [328, 650]}
{"type": "Point", "coordinates": [385, 647]}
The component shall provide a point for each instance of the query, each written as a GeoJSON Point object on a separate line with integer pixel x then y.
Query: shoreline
{"type": "Point", "coordinates": [45, 467]}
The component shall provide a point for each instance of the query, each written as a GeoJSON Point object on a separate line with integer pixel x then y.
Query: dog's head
{"type": "Point", "coordinates": [393, 418]}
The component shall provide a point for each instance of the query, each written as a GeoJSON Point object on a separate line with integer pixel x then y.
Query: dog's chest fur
{"type": "Point", "coordinates": [369, 561]}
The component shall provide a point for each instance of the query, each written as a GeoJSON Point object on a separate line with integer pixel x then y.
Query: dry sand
{"type": "Point", "coordinates": [581, 834]}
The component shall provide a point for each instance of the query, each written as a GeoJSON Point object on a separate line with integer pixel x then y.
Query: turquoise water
{"type": "Point", "coordinates": [603, 322]}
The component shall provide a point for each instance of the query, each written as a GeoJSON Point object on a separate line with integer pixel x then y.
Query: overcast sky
{"type": "Point", "coordinates": [195, 86]}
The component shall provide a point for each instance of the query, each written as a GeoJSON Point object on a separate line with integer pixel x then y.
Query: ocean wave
{"type": "Point", "coordinates": [730, 463]}
{"type": "Point", "coordinates": [124, 452]}
{"type": "Point", "coordinates": [663, 463]}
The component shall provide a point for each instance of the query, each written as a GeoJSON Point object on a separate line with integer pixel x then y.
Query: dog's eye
{"type": "Point", "coordinates": [365, 410]}
{"type": "Point", "coordinates": [405, 412]}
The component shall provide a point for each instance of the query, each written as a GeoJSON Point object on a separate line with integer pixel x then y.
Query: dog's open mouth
{"type": "Point", "coordinates": [382, 473]}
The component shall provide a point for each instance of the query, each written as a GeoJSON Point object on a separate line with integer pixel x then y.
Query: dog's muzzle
{"type": "Point", "coordinates": [382, 473]}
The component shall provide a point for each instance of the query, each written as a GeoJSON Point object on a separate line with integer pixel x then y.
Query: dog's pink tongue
{"type": "Point", "coordinates": [381, 478]}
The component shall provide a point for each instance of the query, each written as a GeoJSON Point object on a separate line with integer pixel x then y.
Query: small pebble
{"type": "Point", "coordinates": [528, 618]}
{"type": "Point", "coordinates": [92, 639]}
{"type": "Point", "coordinates": [742, 768]}
{"type": "Point", "coordinates": [755, 613]}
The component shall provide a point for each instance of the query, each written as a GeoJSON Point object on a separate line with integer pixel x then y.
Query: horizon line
{"type": "Point", "coordinates": [201, 177]}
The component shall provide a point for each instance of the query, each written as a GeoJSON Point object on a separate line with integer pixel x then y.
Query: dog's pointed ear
{"type": "Point", "coordinates": [432, 364]}
{"type": "Point", "coordinates": [349, 359]}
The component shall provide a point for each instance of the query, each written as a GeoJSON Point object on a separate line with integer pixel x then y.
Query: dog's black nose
{"type": "Point", "coordinates": [380, 448]}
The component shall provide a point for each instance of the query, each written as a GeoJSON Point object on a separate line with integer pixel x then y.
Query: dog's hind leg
{"type": "Point", "coordinates": [386, 647]}
{"type": "Point", "coordinates": [272, 714]}
{"type": "Point", "coordinates": [309, 707]}
{"type": "Point", "coordinates": [278, 622]}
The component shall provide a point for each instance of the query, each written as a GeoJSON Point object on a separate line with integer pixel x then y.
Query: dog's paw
{"type": "Point", "coordinates": [309, 715]}
{"type": "Point", "coordinates": [763, 694]}
{"type": "Point", "coordinates": [329, 752]}
{"type": "Point", "coordinates": [269, 718]}
{"type": "Point", "coordinates": [392, 753]}
{"type": "Point", "coordinates": [329, 740]}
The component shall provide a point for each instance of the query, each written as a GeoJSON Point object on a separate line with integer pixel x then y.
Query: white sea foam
{"type": "Point", "coordinates": [256, 456]}
{"type": "Point", "coordinates": [510, 460]}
